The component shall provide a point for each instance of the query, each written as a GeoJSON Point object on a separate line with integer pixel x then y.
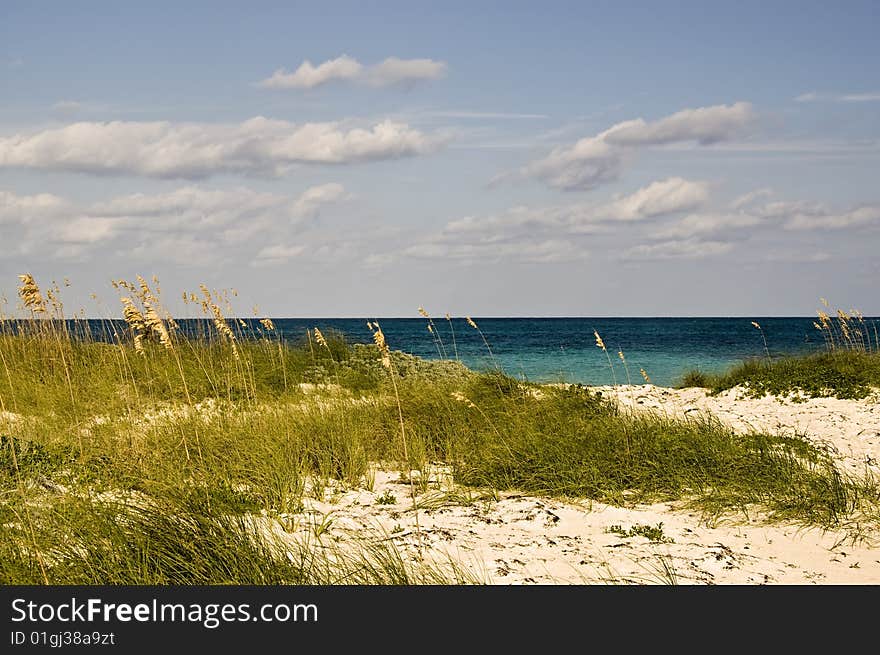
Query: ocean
{"type": "Point", "coordinates": [564, 349]}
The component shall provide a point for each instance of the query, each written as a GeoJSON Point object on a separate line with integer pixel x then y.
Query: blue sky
{"type": "Point", "coordinates": [356, 159]}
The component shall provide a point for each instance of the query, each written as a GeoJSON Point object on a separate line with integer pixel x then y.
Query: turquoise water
{"type": "Point", "coordinates": [564, 349]}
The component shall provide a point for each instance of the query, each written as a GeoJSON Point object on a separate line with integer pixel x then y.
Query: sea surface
{"type": "Point", "coordinates": [565, 350]}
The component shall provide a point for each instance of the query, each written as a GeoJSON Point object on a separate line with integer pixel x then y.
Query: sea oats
{"type": "Point", "coordinates": [29, 292]}
{"type": "Point", "coordinates": [320, 339]}
{"type": "Point", "coordinates": [156, 325]}
{"type": "Point", "coordinates": [645, 375]}
{"type": "Point", "coordinates": [470, 322]}
{"type": "Point", "coordinates": [599, 342]}
{"type": "Point", "coordinates": [135, 322]}
{"type": "Point", "coordinates": [382, 345]}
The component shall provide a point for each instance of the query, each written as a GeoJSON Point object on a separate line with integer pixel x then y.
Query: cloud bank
{"type": "Point", "coordinates": [259, 146]}
{"type": "Point", "coordinates": [171, 225]}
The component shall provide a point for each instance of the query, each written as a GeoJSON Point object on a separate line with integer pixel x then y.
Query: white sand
{"type": "Point", "coordinates": [518, 539]}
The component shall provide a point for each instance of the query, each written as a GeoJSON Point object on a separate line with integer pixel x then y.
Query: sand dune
{"type": "Point", "coordinates": [520, 539]}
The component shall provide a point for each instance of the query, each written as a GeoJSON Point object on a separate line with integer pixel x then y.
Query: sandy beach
{"type": "Point", "coordinates": [510, 538]}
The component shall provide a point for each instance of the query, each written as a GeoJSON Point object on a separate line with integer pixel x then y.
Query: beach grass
{"type": "Point", "coordinates": [155, 456]}
{"type": "Point", "coordinates": [849, 367]}
{"type": "Point", "coordinates": [838, 373]}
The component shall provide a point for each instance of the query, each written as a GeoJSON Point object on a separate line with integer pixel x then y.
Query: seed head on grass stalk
{"type": "Point", "coordinates": [473, 324]}
{"type": "Point", "coordinates": [452, 329]}
{"type": "Point", "coordinates": [601, 344]}
{"type": "Point", "coordinates": [30, 295]}
{"type": "Point", "coordinates": [385, 352]}
{"type": "Point", "coordinates": [319, 338]}
{"type": "Point", "coordinates": [438, 342]}
{"type": "Point", "coordinates": [758, 327]}
{"type": "Point", "coordinates": [136, 323]}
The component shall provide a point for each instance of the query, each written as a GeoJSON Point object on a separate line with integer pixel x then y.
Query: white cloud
{"type": "Point", "coordinates": [86, 229]}
{"type": "Point", "coordinates": [312, 200]}
{"type": "Point", "coordinates": [197, 150]}
{"type": "Point", "coordinates": [404, 71]}
{"type": "Point", "coordinates": [750, 197]}
{"type": "Point", "coordinates": [550, 234]}
{"type": "Point", "coordinates": [704, 125]}
{"type": "Point", "coordinates": [308, 76]}
{"type": "Point", "coordinates": [790, 215]}
{"type": "Point", "coordinates": [664, 197]}
{"type": "Point", "coordinates": [187, 217]}
{"type": "Point", "coordinates": [668, 196]}
{"type": "Point", "coordinates": [278, 254]}
{"type": "Point", "coordinates": [15, 208]}
{"type": "Point", "coordinates": [531, 251]}
{"type": "Point", "coordinates": [597, 160]}
{"type": "Point", "coordinates": [813, 96]}
{"type": "Point", "coordinates": [454, 113]}
{"type": "Point", "coordinates": [701, 225]}
{"type": "Point", "coordinates": [678, 249]}
{"type": "Point", "coordinates": [392, 71]}
{"type": "Point", "coordinates": [829, 220]}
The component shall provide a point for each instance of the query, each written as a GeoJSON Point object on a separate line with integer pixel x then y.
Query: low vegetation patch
{"type": "Point", "coordinates": [840, 373]}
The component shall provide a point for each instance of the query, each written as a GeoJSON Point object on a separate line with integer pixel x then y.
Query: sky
{"type": "Point", "coordinates": [476, 158]}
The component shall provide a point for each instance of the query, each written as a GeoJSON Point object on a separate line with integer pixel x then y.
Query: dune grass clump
{"type": "Point", "coordinates": [848, 368]}
{"type": "Point", "coordinates": [184, 540]}
{"type": "Point", "coordinates": [841, 373]}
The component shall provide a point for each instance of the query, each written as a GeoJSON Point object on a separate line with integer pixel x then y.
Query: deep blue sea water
{"type": "Point", "coordinates": [564, 349]}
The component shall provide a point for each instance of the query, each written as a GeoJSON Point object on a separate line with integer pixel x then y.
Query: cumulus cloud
{"type": "Point", "coordinates": [704, 125]}
{"type": "Point", "coordinates": [258, 146]}
{"type": "Point", "coordinates": [189, 216]}
{"type": "Point", "coordinates": [597, 160]}
{"type": "Point", "coordinates": [308, 76]}
{"type": "Point", "coordinates": [664, 197]}
{"type": "Point", "coordinates": [312, 200]}
{"type": "Point", "coordinates": [830, 220]}
{"type": "Point", "coordinates": [745, 212]}
{"type": "Point", "coordinates": [392, 71]}
{"type": "Point", "coordinates": [669, 196]}
{"type": "Point", "coordinates": [544, 234]}
{"type": "Point", "coordinates": [23, 209]}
